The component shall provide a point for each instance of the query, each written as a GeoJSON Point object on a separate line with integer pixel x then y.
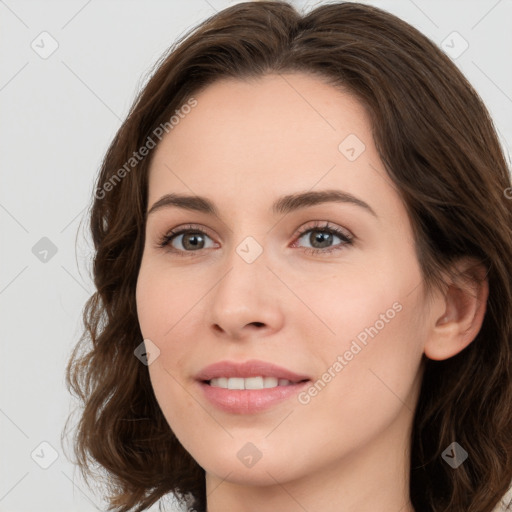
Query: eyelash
{"type": "Point", "coordinates": [346, 238]}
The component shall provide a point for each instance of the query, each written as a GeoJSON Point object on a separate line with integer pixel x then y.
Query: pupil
{"type": "Point", "coordinates": [323, 237]}
{"type": "Point", "coordinates": [192, 240]}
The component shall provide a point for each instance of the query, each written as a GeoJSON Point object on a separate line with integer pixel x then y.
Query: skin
{"type": "Point", "coordinates": [245, 144]}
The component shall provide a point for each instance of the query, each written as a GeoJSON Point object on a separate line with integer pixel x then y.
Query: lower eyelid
{"type": "Point", "coordinates": [346, 238]}
{"type": "Point", "coordinates": [171, 237]}
{"type": "Point", "coordinates": [344, 241]}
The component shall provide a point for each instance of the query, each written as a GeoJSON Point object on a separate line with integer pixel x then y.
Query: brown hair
{"type": "Point", "coordinates": [441, 151]}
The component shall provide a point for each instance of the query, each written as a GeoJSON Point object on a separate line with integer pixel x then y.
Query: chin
{"type": "Point", "coordinates": [263, 473]}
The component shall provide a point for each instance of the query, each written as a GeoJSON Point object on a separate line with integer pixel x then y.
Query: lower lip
{"type": "Point", "coordinates": [249, 401]}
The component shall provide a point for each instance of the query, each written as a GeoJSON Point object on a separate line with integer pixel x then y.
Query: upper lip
{"type": "Point", "coordinates": [252, 368]}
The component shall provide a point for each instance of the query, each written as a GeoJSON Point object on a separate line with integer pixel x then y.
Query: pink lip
{"type": "Point", "coordinates": [252, 368]}
{"type": "Point", "coordinates": [249, 401]}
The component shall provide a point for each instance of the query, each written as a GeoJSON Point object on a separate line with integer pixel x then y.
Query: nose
{"type": "Point", "coordinates": [246, 301]}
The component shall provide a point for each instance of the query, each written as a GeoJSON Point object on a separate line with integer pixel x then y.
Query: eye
{"type": "Point", "coordinates": [190, 238]}
{"type": "Point", "coordinates": [322, 236]}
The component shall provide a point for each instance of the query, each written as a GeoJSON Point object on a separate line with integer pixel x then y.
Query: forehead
{"type": "Point", "coordinates": [279, 133]}
{"type": "Point", "coordinates": [280, 111]}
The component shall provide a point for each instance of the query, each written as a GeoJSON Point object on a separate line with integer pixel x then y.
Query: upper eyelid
{"type": "Point", "coordinates": [299, 232]}
{"type": "Point", "coordinates": [347, 238]}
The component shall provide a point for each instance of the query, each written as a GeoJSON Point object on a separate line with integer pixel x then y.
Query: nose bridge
{"type": "Point", "coordinates": [245, 293]}
{"type": "Point", "coordinates": [246, 265]}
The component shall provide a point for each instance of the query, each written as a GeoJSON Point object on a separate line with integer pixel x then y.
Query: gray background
{"type": "Point", "coordinates": [58, 116]}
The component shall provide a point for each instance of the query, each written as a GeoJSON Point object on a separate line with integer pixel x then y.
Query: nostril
{"type": "Point", "coordinates": [258, 324]}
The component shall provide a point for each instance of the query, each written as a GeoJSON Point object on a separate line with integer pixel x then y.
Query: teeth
{"type": "Point", "coordinates": [253, 383]}
{"type": "Point", "coordinates": [235, 383]}
{"type": "Point", "coordinates": [248, 383]}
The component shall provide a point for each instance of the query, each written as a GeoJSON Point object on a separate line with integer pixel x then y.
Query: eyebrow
{"type": "Point", "coordinates": [283, 205]}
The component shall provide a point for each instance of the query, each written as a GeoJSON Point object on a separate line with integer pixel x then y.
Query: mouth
{"type": "Point", "coordinates": [252, 374]}
{"type": "Point", "coordinates": [257, 382]}
{"type": "Point", "coordinates": [249, 387]}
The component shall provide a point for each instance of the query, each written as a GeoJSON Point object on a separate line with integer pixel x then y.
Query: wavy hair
{"type": "Point", "coordinates": [441, 151]}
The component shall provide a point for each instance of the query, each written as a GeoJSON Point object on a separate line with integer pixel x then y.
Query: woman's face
{"type": "Point", "coordinates": [263, 279]}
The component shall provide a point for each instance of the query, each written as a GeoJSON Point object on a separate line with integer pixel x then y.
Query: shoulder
{"type": "Point", "coordinates": [505, 503]}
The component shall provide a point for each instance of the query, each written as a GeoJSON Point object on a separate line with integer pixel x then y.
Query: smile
{"type": "Point", "coordinates": [248, 383]}
{"type": "Point", "coordinates": [248, 387]}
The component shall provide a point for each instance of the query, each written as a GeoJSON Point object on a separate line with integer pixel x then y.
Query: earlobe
{"type": "Point", "coordinates": [463, 307]}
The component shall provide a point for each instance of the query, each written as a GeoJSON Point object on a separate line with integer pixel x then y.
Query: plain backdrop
{"type": "Point", "coordinates": [59, 113]}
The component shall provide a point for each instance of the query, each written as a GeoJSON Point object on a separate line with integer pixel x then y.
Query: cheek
{"type": "Point", "coordinates": [376, 325]}
{"type": "Point", "coordinates": [165, 311]}
{"type": "Point", "coordinates": [359, 299]}
{"type": "Point", "coordinates": [164, 300]}
{"type": "Point", "coordinates": [371, 366]}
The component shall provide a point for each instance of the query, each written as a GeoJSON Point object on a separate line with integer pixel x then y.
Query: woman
{"type": "Point", "coordinates": [235, 366]}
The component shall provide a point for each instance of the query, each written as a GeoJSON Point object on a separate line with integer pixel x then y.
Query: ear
{"type": "Point", "coordinates": [460, 310]}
